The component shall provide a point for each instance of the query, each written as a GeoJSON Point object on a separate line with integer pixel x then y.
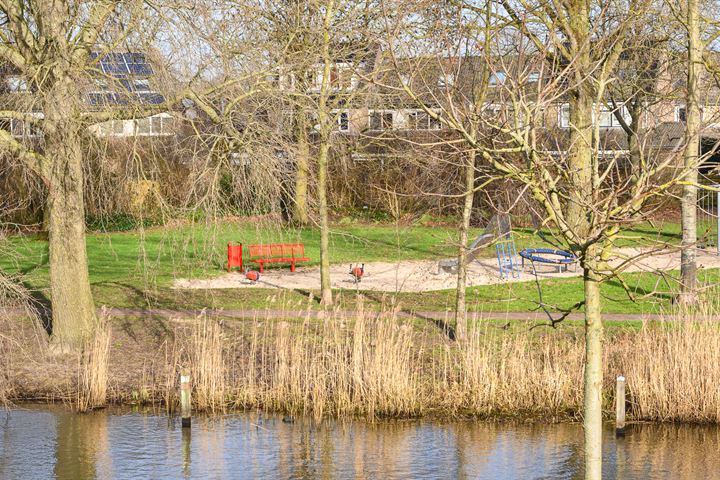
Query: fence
{"type": "Point", "coordinates": [707, 218]}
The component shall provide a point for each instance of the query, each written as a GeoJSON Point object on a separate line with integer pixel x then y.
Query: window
{"type": "Point", "coordinates": [497, 78]}
{"type": "Point", "coordinates": [534, 77]}
{"type": "Point", "coordinates": [157, 125]}
{"type": "Point", "coordinates": [381, 120]}
{"type": "Point", "coordinates": [118, 127]}
{"type": "Point", "coordinates": [18, 128]}
{"type": "Point", "coordinates": [420, 120]}
{"type": "Point", "coordinates": [415, 120]}
{"type": "Point", "coordinates": [564, 119]}
{"type": "Point", "coordinates": [446, 80]}
{"type": "Point", "coordinates": [681, 113]}
{"type": "Point", "coordinates": [607, 118]}
{"type": "Point", "coordinates": [143, 126]}
{"type": "Point", "coordinates": [17, 84]}
{"type": "Point", "coordinates": [344, 121]}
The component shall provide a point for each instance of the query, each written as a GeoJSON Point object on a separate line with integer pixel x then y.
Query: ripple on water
{"type": "Point", "coordinates": [46, 442]}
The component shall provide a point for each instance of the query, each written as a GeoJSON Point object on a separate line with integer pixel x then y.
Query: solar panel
{"type": "Point", "coordinates": [151, 98]}
{"type": "Point", "coordinates": [126, 84]}
{"type": "Point", "coordinates": [131, 70]}
{"type": "Point", "coordinates": [140, 69]}
{"type": "Point", "coordinates": [121, 65]}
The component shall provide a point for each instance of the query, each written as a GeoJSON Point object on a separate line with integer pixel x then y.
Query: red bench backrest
{"type": "Point", "coordinates": [234, 253]}
{"type": "Point", "coordinates": [270, 250]}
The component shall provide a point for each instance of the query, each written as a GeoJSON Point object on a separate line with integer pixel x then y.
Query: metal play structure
{"type": "Point", "coordinates": [499, 231]}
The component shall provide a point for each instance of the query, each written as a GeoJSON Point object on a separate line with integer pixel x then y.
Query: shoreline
{"type": "Point", "coordinates": [368, 365]}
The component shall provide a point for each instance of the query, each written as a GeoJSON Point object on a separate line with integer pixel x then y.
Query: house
{"type": "Point", "coordinates": [122, 82]}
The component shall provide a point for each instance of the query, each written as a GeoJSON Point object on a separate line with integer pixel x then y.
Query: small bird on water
{"type": "Point", "coordinates": [357, 272]}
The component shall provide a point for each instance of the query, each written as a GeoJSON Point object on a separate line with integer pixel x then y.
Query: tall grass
{"type": "Point", "coordinates": [673, 369]}
{"type": "Point", "coordinates": [378, 364]}
{"type": "Point", "coordinates": [207, 364]}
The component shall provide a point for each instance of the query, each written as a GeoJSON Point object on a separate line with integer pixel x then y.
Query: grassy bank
{"type": "Point", "coordinates": [158, 255]}
{"type": "Point", "coordinates": [136, 269]}
{"type": "Point", "coordinates": [373, 365]}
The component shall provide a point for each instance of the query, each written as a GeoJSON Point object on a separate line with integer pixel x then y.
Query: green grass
{"type": "Point", "coordinates": [135, 269]}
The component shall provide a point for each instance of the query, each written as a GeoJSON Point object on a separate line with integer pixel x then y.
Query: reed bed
{"type": "Point", "coordinates": [379, 365]}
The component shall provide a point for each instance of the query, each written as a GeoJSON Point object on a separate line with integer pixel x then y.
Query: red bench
{"type": "Point", "coordinates": [291, 253]}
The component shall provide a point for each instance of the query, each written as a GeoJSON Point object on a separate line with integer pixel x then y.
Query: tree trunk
{"type": "Point", "coordinates": [326, 127]}
{"type": "Point", "coordinates": [688, 264]}
{"type": "Point", "coordinates": [592, 421]}
{"type": "Point", "coordinates": [460, 306]}
{"type": "Point", "coordinates": [326, 292]}
{"type": "Point", "coordinates": [74, 317]}
{"type": "Point", "coordinates": [302, 170]}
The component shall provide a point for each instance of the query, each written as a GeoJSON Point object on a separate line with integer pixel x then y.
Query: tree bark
{"type": "Point", "coordinates": [326, 292]}
{"type": "Point", "coordinates": [326, 126]}
{"type": "Point", "coordinates": [592, 420]}
{"type": "Point", "coordinates": [460, 304]}
{"type": "Point", "coordinates": [581, 128]}
{"type": "Point", "coordinates": [74, 317]}
{"type": "Point", "coordinates": [688, 264]}
{"type": "Point", "coordinates": [302, 170]}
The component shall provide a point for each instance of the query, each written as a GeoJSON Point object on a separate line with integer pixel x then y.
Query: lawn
{"type": "Point", "coordinates": [135, 269]}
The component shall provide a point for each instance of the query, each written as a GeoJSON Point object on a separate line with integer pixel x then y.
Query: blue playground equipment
{"type": "Point", "coordinates": [559, 258]}
{"type": "Point", "coordinates": [507, 257]}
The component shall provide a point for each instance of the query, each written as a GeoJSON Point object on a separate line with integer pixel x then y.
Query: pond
{"type": "Point", "coordinates": [50, 442]}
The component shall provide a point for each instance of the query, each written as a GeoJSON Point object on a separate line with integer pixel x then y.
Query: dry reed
{"type": "Point", "coordinates": [207, 365]}
{"type": "Point", "coordinates": [93, 370]}
{"type": "Point", "coordinates": [377, 364]}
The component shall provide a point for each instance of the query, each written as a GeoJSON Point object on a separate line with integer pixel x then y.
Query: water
{"type": "Point", "coordinates": [49, 442]}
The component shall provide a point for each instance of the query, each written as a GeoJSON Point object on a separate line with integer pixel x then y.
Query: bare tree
{"type": "Point", "coordinates": [577, 186]}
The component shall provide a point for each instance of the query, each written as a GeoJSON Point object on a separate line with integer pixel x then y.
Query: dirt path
{"type": "Point", "coordinates": [423, 275]}
{"type": "Point", "coordinates": [263, 314]}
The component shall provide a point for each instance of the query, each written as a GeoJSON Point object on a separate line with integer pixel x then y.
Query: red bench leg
{"type": "Point", "coordinates": [292, 266]}
{"type": "Point", "coordinates": [262, 267]}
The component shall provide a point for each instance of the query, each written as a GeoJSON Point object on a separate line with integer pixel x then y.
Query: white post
{"type": "Point", "coordinates": [185, 401]}
{"type": "Point", "coordinates": [620, 407]}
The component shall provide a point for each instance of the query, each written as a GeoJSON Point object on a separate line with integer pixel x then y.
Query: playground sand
{"type": "Point", "coordinates": [423, 276]}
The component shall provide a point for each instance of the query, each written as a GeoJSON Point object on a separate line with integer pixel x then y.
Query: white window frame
{"type": "Point", "coordinates": [564, 116]}
{"type": "Point", "coordinates": [382, 112]}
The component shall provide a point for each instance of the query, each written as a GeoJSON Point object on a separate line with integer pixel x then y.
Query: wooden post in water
{"type": "Point", "coordinates": [620, 407]}
{"type": "Point", "coordinates": [185, 400]}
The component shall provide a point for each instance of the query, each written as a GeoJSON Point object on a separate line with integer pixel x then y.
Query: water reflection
{"type": "Point", "coordinates": [43, 442]}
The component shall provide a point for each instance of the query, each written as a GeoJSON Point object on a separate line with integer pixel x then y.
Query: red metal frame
{"type": "Point", "coordinates": [235, 256]}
